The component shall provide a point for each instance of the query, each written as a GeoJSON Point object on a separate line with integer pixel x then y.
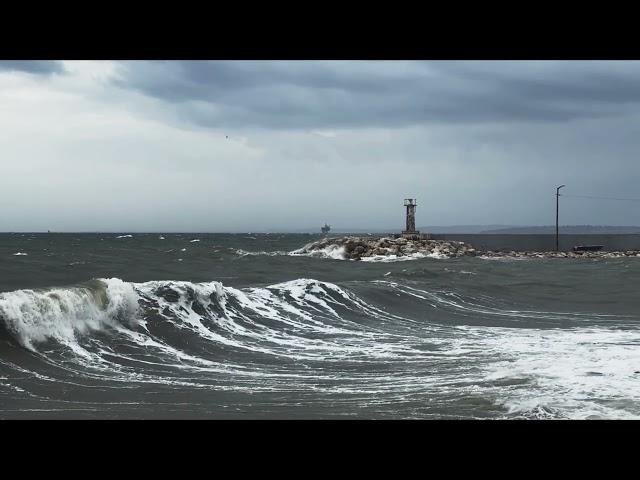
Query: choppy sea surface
{"type": "Point", "coordinates": [240, 326]}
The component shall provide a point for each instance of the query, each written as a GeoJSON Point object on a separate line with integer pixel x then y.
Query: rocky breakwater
{"type": "Point", "coordinates": [387, 248]}
{"type": "Point", "coordinates": [569, 254]}
{"type": "Point", "coordinates": [365, 248]}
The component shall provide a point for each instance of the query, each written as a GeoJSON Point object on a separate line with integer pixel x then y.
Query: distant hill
{"type": "Point", "coordinates": [566, 229]}
{"type": "Point", "coordinates": [461, 228]}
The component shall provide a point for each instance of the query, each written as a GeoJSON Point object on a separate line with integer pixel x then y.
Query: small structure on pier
{"type": "Point", "coordinates": [410, 230]}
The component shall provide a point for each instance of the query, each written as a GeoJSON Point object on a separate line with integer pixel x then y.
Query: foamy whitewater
{"type": "Point", "coordinates": [245, 327]}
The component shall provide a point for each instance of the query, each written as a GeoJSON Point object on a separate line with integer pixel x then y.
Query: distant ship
{"type": "Point", "coordinates": [326, 228]}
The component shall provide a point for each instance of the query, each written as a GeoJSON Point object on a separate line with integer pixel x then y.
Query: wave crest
{"type": "Point", "coordinates": [336, 252]}
{"type": "Point", "coordinates": [62, 313]}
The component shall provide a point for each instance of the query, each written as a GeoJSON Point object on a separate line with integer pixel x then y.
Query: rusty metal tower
{"type": "Point", "coordinates": [411, 204]}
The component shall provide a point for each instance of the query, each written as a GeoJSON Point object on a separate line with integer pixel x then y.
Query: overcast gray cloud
{"type": "Point", "coordinates": [298, 94]}
{"type": "Point", "coordinates": [251, 146]}
{"type": "Point", "coordinates": [39, 67]}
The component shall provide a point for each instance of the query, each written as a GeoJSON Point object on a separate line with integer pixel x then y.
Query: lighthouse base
{"type": "Point", "coordinates": [415, 235]}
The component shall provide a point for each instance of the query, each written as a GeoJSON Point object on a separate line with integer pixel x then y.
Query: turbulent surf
{"type": "Point", "coordinates": [230, 326]}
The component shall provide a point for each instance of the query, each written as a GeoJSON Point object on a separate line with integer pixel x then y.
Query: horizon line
{"type": "Point", "coordinates": [312, 230]}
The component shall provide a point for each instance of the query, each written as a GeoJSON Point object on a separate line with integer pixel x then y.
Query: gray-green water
{"type": "Point", "coordinates": [234, 326]}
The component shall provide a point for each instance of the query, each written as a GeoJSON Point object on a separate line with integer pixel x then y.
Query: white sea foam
{"type": "Point", "coordinates": [581, 373]}
{"type": "Point", "coordinates": [244, 253]}
{"type": "Point", "coordinates": [194, 240]}
{"type": "Point", "coordinates": [336, 252]}
{"type": "Point", "coordinates": [304, 305]}
{"type": "Point", "coordinates": [403, 258]}
{"type": "Point", "coordinates": [20, 254]}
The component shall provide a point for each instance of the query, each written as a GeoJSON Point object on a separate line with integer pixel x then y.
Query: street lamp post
{"type": "Point", "coordinates": [557, 211]}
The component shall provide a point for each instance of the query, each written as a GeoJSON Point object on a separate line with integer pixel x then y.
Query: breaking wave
{"type": "Point", "coordinates": [336, 252]}
{"type": "Point", "coordinates": [307, 335]}
{"type": "Point", "coordinates": [62, 313]}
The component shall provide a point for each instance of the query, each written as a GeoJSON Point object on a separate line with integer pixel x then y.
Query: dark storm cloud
{"type": "Point", "coordinates": [36, 67]}
{"type": "Point", "coordinates": [385, 94]}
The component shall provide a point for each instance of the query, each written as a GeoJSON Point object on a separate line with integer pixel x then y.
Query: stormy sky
{"type": "Point", "coordinates": [284, 145]}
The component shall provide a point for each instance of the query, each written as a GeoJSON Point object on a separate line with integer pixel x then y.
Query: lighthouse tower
{"type": "Point", "coordinates": [411, 204]}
